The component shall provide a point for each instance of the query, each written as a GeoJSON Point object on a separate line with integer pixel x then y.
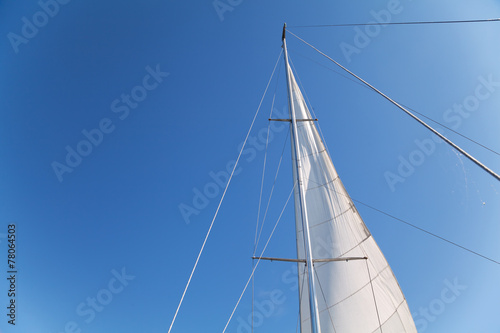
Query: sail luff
{"type": "Point", "coordinates": [313, 304]}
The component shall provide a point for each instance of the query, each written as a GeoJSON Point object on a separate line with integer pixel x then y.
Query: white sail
{"type": "Point", "coordinates": [357, 296]}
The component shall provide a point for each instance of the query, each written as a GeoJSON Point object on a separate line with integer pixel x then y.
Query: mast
{"type": "Point", "coordinates": [313, 304]}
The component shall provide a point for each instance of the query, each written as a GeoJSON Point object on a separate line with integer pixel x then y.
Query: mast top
{"type": "Point", "coordinates": [284, 32]}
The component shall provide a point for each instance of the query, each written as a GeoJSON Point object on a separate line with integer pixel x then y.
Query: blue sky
{"type": "Point", "coordinates": [167, 91]}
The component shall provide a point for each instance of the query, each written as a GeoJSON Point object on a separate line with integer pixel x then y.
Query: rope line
{"type": "Point", "coordinates": [264, 163]}
{"type": "Point", "coordinates": [258, 260]}
{"type": "Point", "coordinates": [364, 86]}
{"type": "Point", "coordinates": [452, 130]}
{"type": "Point", "coordinates": [260, 196]}
{"type": "Point", "coordinates": [373, 294]}
{"type": "Point", "coordinates": [397, 23]}
{"type": "Point", "coordinates": [326, 302]}
{"type": "Point", "coordinates": [273, 187]}
{"type": "Point", "coordinates": [409, 224]}
{"type": "Point", "coordinates": [300, 296]}
{"type": "Point", "coordinates": [221, 199]}
{"type": "Point", "coordinates": [470, 157]}
{"type": "Point", "coordinates": [428, 232]}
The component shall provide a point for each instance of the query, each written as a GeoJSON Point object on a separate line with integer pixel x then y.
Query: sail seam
{"type": "Point", "coordinates": [346, 195]}
{"type": "Point", "coordinates": [300, 297]}
{"type": "Point", "coordinates": [373, 293]}
{"type": "Point", "coordinates": [330, 220]}
{"type": "Point", "coordinates": [345, 253]}
{"type": "Point", "coordinates": [352, 248]}
{"type": "Point", "coordinates": [321, 185]}
{"type": "Point", "coordinates": [326, 302]}
{"type": "Point", "coordinates": [392, 315]}
{"type": "Point", "coordinates": [357, 291]}
{"type": "Point", "coordinates": [317, 152]}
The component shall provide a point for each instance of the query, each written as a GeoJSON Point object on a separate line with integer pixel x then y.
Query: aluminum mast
{"type": "Point", "coordinates": [313, 304]}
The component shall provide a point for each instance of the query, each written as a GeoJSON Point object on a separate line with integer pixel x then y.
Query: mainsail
{"type": "Point", "coordinates": [360, 295]}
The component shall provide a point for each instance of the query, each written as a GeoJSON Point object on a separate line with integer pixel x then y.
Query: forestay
{"type": "Point", "coordinates": [355, 296]}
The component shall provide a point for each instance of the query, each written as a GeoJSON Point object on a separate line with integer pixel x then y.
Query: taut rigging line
{"type": "Point", "coordinates": [470, 157]}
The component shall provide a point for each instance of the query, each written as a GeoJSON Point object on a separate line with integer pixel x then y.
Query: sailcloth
{"type": "Point", "coordinates": [355, 296]}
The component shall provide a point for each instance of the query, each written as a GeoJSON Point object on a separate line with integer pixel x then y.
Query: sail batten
{"type": "Point", "coordinates": [356, 296]}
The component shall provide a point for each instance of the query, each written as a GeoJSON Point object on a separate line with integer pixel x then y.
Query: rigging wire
{"type": "Point", "coordinates": [373, 294]}
{"type": "Point", "coordinates": [262, 185]}
{"type": "Point", "coordinates": [470, 157]}
{"type": "Point", "coordinates": [261, 190]}
{"type": "Point", "coordinates": [428, 232]}
{"type": "Point", "coordinates": [397, 23]}
{"type": "Point", "coordinates": [452, 130]}
{"type": "Point", "coordinates": [258, 260]}
{"type": "Point", "coordinates": [273, 187]}
{"type": "Point", "coordinates": [221, 199]}
{"type": "Point", "coordinates": [253, 295]}
{"type": "Point", "coordinates": [263, 221]}
{"type": "Point", "coordinates": [300, 295]}
{"type": "Point", "coordinates": [411, 225]}
{"type": "Point", "coordinates": [366, 87]}
{"type": "Point", "coordinates": [326, 302]}
{"type": "Point", "coordinates": [264, 167]}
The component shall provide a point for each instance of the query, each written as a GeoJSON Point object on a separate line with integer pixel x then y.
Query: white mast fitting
{"type": "Point", "coordinates": [350, 286]}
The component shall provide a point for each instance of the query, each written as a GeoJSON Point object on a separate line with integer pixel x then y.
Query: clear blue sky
{"type": "Point", "coordinates": [159, 95]}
